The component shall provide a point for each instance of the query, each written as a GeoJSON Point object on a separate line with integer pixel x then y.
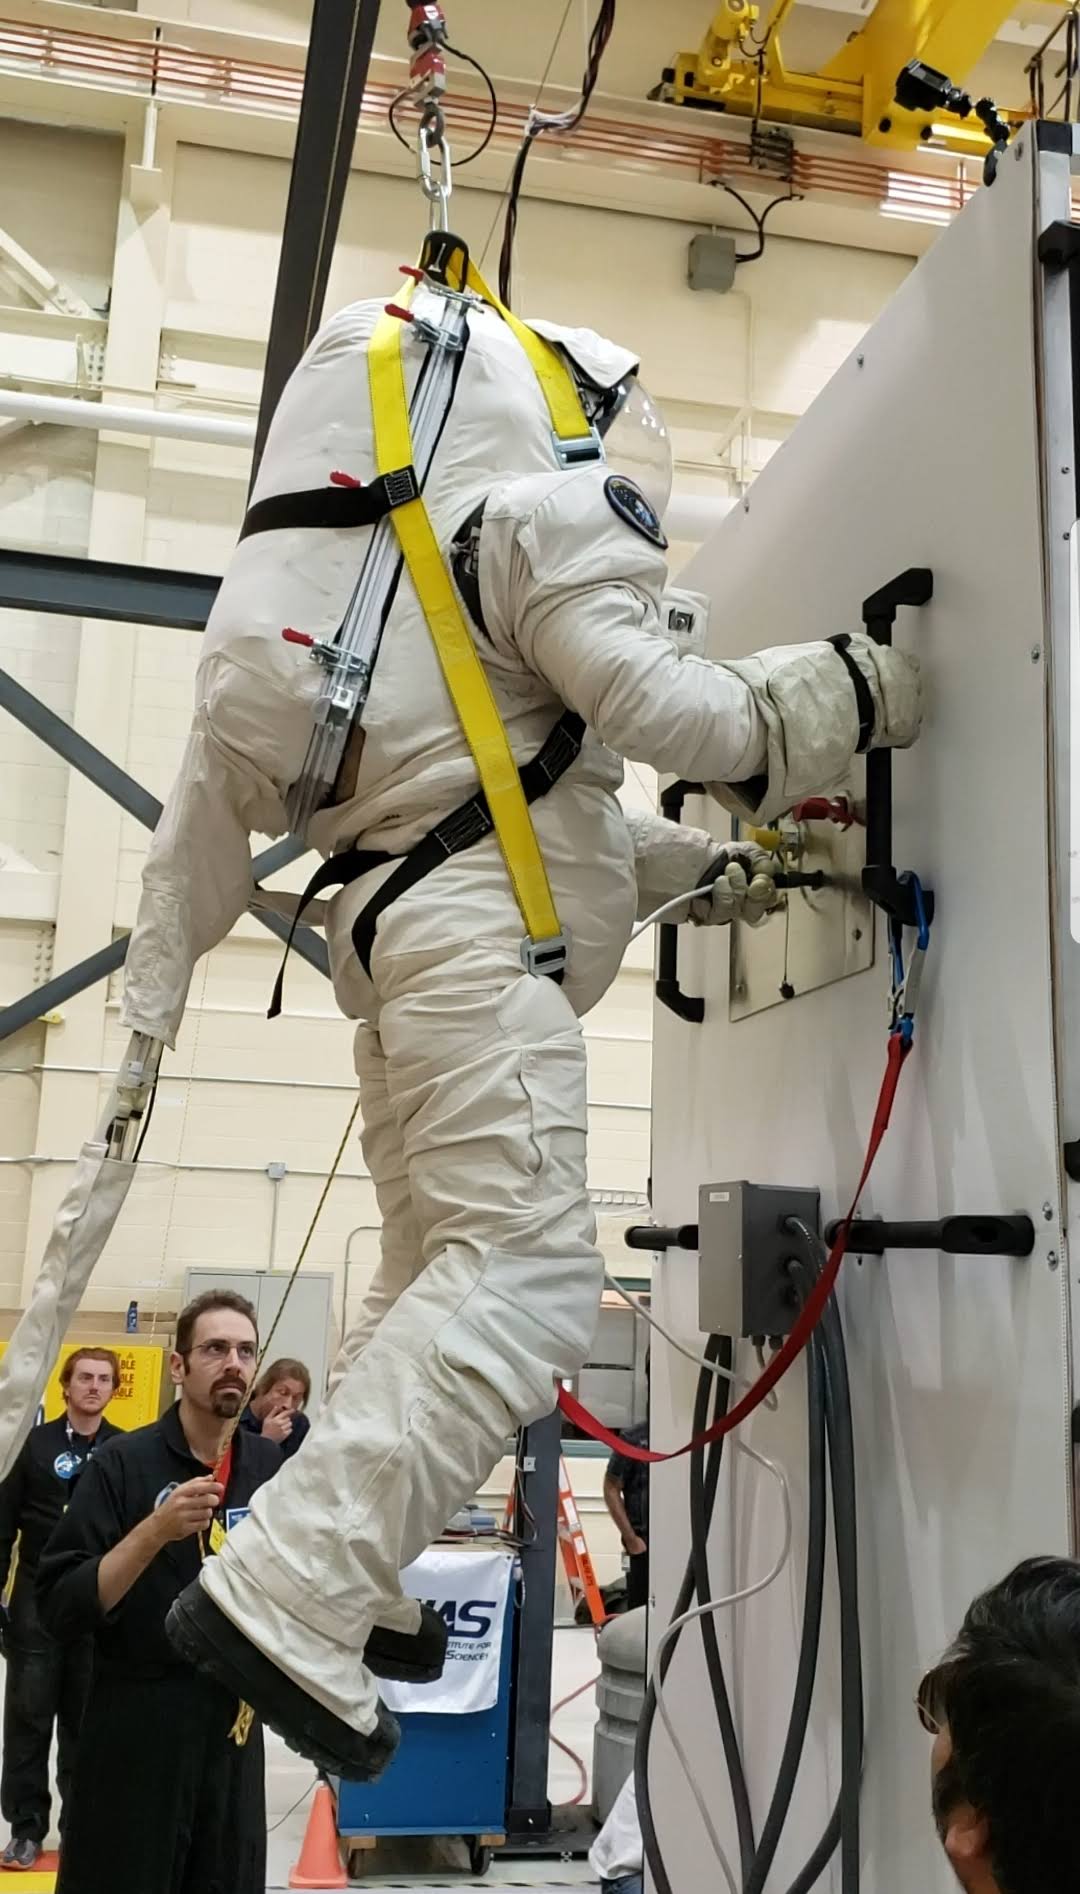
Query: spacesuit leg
{"type": "Point", "coordinates": [486, 1077]}
{"type": "Point", "coordinates": [401, 1245]}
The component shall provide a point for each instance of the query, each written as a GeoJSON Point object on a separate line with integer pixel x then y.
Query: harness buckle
{"type": "Point", "coordinates": [546, 958]}
{"type": "Point", "coordinates": [581, 450]}
{"type": "Point", "coordinates": [401, 486]}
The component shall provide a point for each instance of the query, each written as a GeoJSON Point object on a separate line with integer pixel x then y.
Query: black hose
{"type": "Point", "coordinates": [810, 1875]}
{"type": "Point", "coordinates": [828, 1417]}
{"type": "Point", "coordinates": [843, 1828]}
{"type": "Point", "coordinates": [837, 1398]}
{"type": "Point", "coordinates": [845, 1525]}
{"type": "Point", "coordinates": [717, 1389]}
{"type": "Point", "coordinates": [699, 1559]}
{"type": "Point", "coordinates": [813, 1601]}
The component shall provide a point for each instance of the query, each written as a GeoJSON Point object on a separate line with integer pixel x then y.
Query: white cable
{"type": "Point", "coordinates": [771, 1401]}
{"type": "Point", "coordinates": [668, 907]}
{"type": "Point", "coordinates": [504, 194]}
{"type": "Point", "coordinates": [702, 1611]}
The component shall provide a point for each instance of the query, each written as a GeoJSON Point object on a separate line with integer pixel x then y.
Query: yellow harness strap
{"type": "Point", "coordinates": [465, 676]}
{"type": "Point", "coordinates": [568, 420]}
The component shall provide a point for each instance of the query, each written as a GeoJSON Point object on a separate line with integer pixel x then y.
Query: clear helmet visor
{"type": "Point", "coordinates": [637, 444]}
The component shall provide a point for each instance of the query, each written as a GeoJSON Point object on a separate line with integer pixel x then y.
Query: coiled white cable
{"type": "Point", "coordinates": [702, 1611]}
{"type": "Point", "coordinates": [771, 1401]}
{"type": "Point", "coordinates": [677, 901]}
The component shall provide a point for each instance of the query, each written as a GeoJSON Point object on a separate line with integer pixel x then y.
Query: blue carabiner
{"type": "Point", "coordinates": [907, 979]}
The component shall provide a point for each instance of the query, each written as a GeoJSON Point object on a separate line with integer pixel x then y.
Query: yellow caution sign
{"type": "Point", "coordinates": [136, 1402]}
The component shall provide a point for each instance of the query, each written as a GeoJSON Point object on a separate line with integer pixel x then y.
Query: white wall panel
{"type": "Point", "coordinates": [960, 1370]}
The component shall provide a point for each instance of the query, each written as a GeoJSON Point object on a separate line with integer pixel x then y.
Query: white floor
{"type": "Point", "coordinates": [423, 1866]}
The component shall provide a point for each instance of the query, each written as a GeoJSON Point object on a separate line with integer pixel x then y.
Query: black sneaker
{"type": "Point", "coordinates": [21, 1853]}
{"type": "Point", "coordinates": [208, 1640]}
{"type": "Point", "coordinates": [409, 1657]}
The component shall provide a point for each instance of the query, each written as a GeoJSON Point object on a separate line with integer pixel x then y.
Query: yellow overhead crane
{"type": "Point", "coordinates": [740, 68]}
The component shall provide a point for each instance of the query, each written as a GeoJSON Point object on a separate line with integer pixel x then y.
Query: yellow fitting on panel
{"type": "Point", "coordinates": [770, 840]}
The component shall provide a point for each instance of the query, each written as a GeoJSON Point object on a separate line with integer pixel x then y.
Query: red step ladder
{"type": "Point", "coordinates": [576, 1557]}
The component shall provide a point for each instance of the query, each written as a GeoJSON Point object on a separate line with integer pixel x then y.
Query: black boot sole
{"type": "Point", "coordinates": [211, 1643]}
{"type": "Point", "coordinates": [409, 1657]}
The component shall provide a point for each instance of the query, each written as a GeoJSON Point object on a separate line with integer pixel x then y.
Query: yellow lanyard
{"type": "Point", "coordinates": [465, 676]}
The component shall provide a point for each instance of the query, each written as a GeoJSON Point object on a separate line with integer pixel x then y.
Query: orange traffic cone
{"type": "Point", "coordinates": [320, 1857]}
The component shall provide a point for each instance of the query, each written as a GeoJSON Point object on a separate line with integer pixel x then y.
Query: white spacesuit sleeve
{"type": "Point", "coordinates": [197, 879]}
{"type": "Point", "coordinates": [572, 580]}
{"type": "Point", "coordinates": [669, 859]}
{"type": "Point", "coordinates": [576, 592]}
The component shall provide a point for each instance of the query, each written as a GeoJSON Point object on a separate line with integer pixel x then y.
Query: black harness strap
{"type": "Point", "coordinates": [466, 826]}
{"type": "Point", "coordinates": [335, 506]}
{"type": "Point", "coordinates": [864, 702]}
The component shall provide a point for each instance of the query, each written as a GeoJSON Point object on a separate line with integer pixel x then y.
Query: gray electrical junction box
{"type": "Point", "coordinates": [744, 1284]}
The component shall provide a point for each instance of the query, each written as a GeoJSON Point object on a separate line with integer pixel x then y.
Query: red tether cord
{"type": "Point", "coordinates": [810, 1316]}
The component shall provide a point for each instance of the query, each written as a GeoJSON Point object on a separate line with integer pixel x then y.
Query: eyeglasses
{"type": "Point", "coordinates": [923, 1700]}
{"type": "Point", "coordinates": [221, 1350]}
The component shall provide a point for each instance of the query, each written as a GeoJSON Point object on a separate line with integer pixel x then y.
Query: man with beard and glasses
{"type": "Point", "coordinates": [183, 1754]}
{"type": "Point", "coordinates": [1003, 1708]}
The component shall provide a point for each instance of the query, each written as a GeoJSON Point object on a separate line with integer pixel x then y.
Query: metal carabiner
{"type": "Point", "coordinates": [436, 189]}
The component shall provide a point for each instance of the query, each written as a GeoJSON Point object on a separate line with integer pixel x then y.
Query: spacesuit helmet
{"type": "Point", "coordinates": [636, 440]}
{"type": "Point", "coordinates": [627, 419]}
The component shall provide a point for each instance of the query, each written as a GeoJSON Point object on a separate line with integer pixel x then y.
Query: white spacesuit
{"type": "Point", "coordinates": [472, 1069]}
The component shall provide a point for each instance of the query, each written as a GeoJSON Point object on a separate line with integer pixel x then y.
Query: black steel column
{"type": "Point", "coordinates": [528, 1810]}
{"type": "Point", "coordinates": [339, 55]}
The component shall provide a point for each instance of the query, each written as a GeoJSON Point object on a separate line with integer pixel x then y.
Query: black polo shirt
{"type": "Point", "coordinates": [120, 1486]}
{"type": "Point", "coordinates": [39, 1486]}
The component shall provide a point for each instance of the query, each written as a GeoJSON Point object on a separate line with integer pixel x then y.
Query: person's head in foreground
{"type": "Point", "coordinates": [1003, 1707]}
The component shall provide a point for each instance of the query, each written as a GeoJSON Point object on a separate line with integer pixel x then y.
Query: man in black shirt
{"type": "Point", "coordinates": [183, 1755]}
{"type": "Point", "coordinates": [626, 1496]}
{"type": "Point", "coordinates": [47, 1682]}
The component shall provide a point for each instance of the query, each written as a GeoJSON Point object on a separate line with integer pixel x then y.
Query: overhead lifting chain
{"type": "Point", "coordinates": [426, 90]}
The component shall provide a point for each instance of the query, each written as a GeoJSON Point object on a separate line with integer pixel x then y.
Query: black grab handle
{"type": "Point", "coordinates": [881, 883]}
{"type": "Point", "coordinates": [953, 1236]}
{"type": "Point", "coordinates": [668, 990]}
{"type": "Point", "coordinates": [657, 1236]}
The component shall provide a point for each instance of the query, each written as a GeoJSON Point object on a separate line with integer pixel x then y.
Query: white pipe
{"type": "Point", "coordinates": [219, 430]}
{"type": "Point", "coordinates": [150, 126]}
{"type": "Point", "coordinates": [690, 517]}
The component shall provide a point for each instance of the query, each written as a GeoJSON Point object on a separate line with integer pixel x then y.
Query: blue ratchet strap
{"type": "Point", "coordinates": [907, 979]}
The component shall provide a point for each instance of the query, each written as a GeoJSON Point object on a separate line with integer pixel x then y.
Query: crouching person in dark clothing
{"type": "Point", "coordinates": [185, 1756]}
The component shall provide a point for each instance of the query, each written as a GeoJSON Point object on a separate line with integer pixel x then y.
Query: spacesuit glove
{"type": "Point", "coordinates": [743, 888]}
{"type": "Point", "coordinates": [894, 685]}
{"type": "Point", "coordinates": [820, 705]}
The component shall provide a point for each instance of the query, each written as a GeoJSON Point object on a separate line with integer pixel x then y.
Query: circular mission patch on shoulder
{"type": "Point", "coordinates": [631, 505]}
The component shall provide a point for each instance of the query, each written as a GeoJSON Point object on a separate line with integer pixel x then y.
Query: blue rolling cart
{"type": "Point", "coordinates": [449, 1776]}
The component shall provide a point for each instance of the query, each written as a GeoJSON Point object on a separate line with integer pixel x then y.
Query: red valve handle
{"type": "Point", "coordinates": [825, 809]}
{"type": "Point", "coordinates": [339, 479]}
{"type": "Point", "coordinates": [403, 315]}
{"type": "Point", "coordinates": [410, 269]}
{"type": "Point", "coordinates": [297, 637]}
